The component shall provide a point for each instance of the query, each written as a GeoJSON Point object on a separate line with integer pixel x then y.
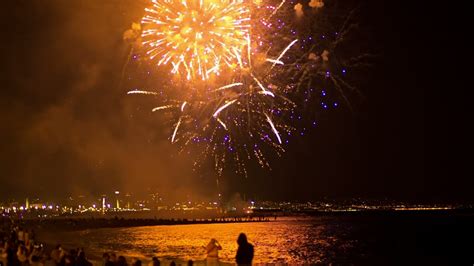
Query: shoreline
{"type": "Point", "coordinates": [77, 223]}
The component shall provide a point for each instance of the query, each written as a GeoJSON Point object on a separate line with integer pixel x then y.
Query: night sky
{"type": "Point", "coordinates": [68, 127]}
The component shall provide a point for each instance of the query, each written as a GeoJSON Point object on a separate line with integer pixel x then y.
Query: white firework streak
{"type": "Point", "coordinates": [276, 9]}
{"type": "Point", "coordinates": [162, 107]}
{"type": "Point", "coordinates": [277, 62]}
{"type": "Point", "coordinates": [183, 105]}
{"type": "Point", "coordinates": [213, 69]}
{"type": "Point", "coordinates": [222, 123]}
{"type": "Point", "coordinates": [264, 91]}
{"type": "Point", "coordinates": [176, 130]}
{"type": "Point", "coordinates": [248, 50]}
{"type": "Point", "coordinates": [269, 93]}
{"type": "Point", "coordinates": [230, 86]}
{"type": "Point", "coordinates": [237, 55]}
{"type": "Point", "coordinates": [284, 51]}
{"type": "Point", "coordinates": [222, 108]}
{"type": "Point", "coordinates": [273, 128]}
{"type": "Point", "coordinates": [142, 92]}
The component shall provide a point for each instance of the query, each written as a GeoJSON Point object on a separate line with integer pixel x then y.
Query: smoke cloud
{"type": "Point", "coordinates": [72, 129]}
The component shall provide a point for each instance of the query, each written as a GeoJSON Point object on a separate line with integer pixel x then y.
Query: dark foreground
{"type": "Point", "coordinates": [414, 238]}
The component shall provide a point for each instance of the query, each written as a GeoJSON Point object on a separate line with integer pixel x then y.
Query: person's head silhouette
{"type": "Point", "coordinates": [242, 240]}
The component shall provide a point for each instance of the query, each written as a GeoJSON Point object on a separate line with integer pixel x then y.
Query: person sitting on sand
{"type": "Point", "coordinates": [212, 250]}
{"type": "Point", "coordinates": [244, 252]}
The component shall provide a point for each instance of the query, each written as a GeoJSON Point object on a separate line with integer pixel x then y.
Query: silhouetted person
{"type": "Point", "coordinates": [106, 260]}
{"type": "Point", "coordinates": [57, 254]}
{"type": "Point", "coordinates": [113, 258]}
{"type": "Point", "coordinates": [11, 254]}
{"type": "Point", "coordinates": [32, 235]}
{"type": "Point", "coordinates": [155, 261]}
{"type": "Point", "coordinates": [68, 260]}
{"type": "Point", "coordinates": [212, 250]}
{"type": "Point", "coordinates": [13, 236]}
{"type": "Point", "coordinates": [21, 236]}
{"type": "Point", "coordinates": [35, 261]}
{"type": "Point", "coordinates": [121, 261]}
{"type": "Point", "coordinates": [244, 252]}
{"type": "Point", "coordinates": [190, 263]}
{"type": "Point", "coordinates": [73, 252]}
{"type": "Point", "coordinates": [81, 259]}
{"type": "Point", "coordinates": [172, 263]}
{"type": "Point", "coordinates": [137, 262]}
{"type": "Point", "coordinates": [21, 254]}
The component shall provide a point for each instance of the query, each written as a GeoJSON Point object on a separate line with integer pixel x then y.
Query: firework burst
{"type": "Point", "coordinates": [239, 70]}
{"type": "Point", "coordinates": [198, 37]}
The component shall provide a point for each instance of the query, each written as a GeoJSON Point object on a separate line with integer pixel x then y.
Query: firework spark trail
{"type": "Point", "coordinates": [230, 86]}
{"type": "Point", "coordinates": [341, 91]}
{"type": "Point", "coordinates": [284, 52]}
{"type": "Point", "coordinates": [273, 128]}
{"type": "Point", "coordinates": [249, 53]}
{"type": "Point", "coordinates": [176, 130]}
{"type": "Point", "coordinates": [264, 90]}
{"type": "Point", "coordinates": [162, 107]}
{"type": "Point", "coordinates": [142, 92]}
{"type": "Point", "coordinates": [213, 69]}
{"type": "Point", "coordinates": [183, 105]}
{"type": "Point", "coordinates": [222, 123]}
{"type": "Point", "coordinates": [268, 93]}
{"type": "Point", "coordinates": [278, 62]}
{"type": "Point", "coordinates": [276, 9]}
{"type": "Point", "coordinates": [222, 108]}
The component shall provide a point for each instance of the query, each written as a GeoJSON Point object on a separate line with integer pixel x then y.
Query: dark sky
{"type": "Point", "coordinates": [68, 128]}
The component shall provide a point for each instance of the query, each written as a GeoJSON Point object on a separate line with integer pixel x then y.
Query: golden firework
{"type": "Point", "coordinates": [196, 37]}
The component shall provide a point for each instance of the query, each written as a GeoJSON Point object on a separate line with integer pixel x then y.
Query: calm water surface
{"type": "Point", "coordinates": [365, 239]}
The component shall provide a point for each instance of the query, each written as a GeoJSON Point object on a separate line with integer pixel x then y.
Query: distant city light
{"type": "Point", "coordinates": [252, 206]}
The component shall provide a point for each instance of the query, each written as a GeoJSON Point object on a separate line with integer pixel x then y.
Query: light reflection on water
{"type": "Point", "coordinates": [288, 241]}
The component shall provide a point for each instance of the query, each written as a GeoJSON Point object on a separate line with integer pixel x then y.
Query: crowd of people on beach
{"type": "Point", "coordinates": [18, 247]}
